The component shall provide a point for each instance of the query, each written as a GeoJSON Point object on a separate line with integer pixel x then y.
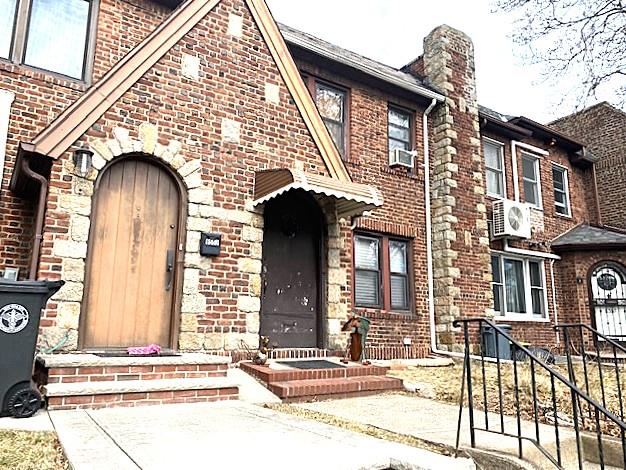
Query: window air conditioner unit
{"type": "Point", "coordinates": [510, 219]}
{"type": "Point", "coordinates": [401, 157]}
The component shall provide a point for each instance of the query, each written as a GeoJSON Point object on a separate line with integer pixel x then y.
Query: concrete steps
{"type": "Point", "coordinates": [293, 385]}
{"type": "Point", "coordinates": [73, 381]}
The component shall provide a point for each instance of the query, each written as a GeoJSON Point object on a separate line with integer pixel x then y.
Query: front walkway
{"type": "Point", "coordinates": [226, 435]}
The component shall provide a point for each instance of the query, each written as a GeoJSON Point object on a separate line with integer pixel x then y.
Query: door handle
{"type": "Point", "coordinates": [169, 269]}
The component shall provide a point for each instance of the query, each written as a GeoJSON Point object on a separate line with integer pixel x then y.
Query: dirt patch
{"type": "Point", "coordinates": [25, 450]}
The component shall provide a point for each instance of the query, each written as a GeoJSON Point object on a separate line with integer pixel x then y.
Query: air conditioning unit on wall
{"type": "Point", "coordinates": [511, 219]}
{"type": "Point", "coordinates": [401, 157]}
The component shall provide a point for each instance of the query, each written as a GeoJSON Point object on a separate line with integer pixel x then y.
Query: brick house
{"type": "Point", "coordinates": [173, 162]}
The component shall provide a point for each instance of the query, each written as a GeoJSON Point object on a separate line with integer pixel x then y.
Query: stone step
{"type": "Point", "coordinates": [69, 368]}
{"type": "Point", "coordinates": [304, 390]}
{"type": "Point", "coordinates": [269, 374]}
{"type": "Point", "coordinates": [75, 395]}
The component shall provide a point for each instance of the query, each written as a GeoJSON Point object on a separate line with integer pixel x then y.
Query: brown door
{"type": "Point", "coordinates": [131, 263]}
{"type": "Point", "coordinates": [291, 271]}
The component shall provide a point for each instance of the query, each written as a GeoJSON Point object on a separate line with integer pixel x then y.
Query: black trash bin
{"type": "Point", "coordinates": [489, 342]}
{"type": "Point", "coordinates": [20, 308]}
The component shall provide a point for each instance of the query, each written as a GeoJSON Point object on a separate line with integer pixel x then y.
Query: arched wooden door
{"type": "Point", "coordinates": [608, 299]}
{"type": "Point", "coordinates": [292, 247]}
{"type": "Point", "coordinates": [131, 265]}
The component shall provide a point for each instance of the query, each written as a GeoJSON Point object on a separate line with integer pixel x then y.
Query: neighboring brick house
{"type": "Point", "coordinates": [173, 168]}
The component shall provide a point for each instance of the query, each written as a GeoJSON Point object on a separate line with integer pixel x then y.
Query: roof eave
{"type": "Point", "coordinates": [511, 130]}
{"type": "Point", "coordinates": [588, 247]}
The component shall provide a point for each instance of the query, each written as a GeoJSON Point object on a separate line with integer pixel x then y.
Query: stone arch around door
{"type": "Point", "coordinates": [607, 298]}
{"type": "Point", "coordinates": [77, 204]}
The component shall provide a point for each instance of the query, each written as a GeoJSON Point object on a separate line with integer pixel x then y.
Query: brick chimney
{"type": "Point", "coordinates": [461, 259]}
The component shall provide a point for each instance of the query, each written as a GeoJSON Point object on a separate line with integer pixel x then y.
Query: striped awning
{"type": "Point", "coordinates": [350, 198]}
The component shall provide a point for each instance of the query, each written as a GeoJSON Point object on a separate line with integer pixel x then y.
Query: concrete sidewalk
{"type": "Point", "coordinates": [226, 435]}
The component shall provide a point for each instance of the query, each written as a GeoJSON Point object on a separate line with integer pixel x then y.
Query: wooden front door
{"type": "Point", "coordinates": [131, 266]}
{"type": "Point", "coordinates": [291, 271]}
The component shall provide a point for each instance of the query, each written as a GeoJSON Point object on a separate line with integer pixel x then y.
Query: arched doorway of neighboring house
{"type": "Point", "coordinates": [292, 264]}
{"type": "Point", "coordinates": [607, 285]}
{"type": "Point", "coordinates": [132, 280]}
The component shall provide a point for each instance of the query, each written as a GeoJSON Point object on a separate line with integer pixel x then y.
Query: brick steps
{"type": "Point", "coordinates": [329, 388]}
{"type": "Point", "coordinates": [73, 381]}
{"type": "Point", "coordinates": [291, 384]}
{"type": "Point", "coordinates": [63, 396]}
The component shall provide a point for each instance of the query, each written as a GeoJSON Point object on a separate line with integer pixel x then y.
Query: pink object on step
{"type": "Point", "coordinates": [144, 350]}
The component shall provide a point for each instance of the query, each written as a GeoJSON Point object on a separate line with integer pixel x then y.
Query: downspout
{"type": "Point", "coordinates": [429, 247]}
{"type": "Point", "coordinates": [39, 216]}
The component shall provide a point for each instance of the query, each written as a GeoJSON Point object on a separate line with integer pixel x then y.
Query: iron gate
{"type": "Point", "coordinates": [608, 299]}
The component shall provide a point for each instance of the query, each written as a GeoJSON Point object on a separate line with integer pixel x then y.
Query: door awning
{"type": "Point", "coordinates": [351, 199]}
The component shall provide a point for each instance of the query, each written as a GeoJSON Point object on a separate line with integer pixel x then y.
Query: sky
{"type": "Point", "coordinates": [392, 32]}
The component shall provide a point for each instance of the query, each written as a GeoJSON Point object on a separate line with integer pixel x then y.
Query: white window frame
{"type": "Point", "coordinates": [500, 145]}
{"type": "Point", "coordinates": [536, 159]}
{"type": "Point", "coordinates": [568, 205]}
{"type": "Point", "coordinates": [527, 316]}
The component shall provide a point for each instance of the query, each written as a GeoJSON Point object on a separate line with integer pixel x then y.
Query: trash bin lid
{"type": "Point", "coordinates": [32, 287]}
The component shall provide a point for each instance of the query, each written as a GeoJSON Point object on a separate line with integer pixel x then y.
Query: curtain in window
{"type": "Point", "coordinates": [7, 19]}
{"type": "Point", "coordinates": [367, 276]}
{"type": "Point", "coordinates": [514, 284]}
{"type": "Point", "coordinates": [536, 288]}
{"type": "Point", "coordinates": [57, 36]}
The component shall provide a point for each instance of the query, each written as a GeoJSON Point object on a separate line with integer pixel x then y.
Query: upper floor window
{"type": "Point", "coordinates": [331, 103]}
{"type": "Point", "coordinates": [382, 276]}
{"type": "Point", "coordinates": [399, 129]}
{"type": "Point", "coordinates": [518, 287]}
{"type": "Point", "coordinates": [531, 179]}
{"type": "Point", "coordinates": [561, 190]}
{"type": "Point", "coordinates": [494, 168]}
{"type": "Point", "coordinates": [52, 35]}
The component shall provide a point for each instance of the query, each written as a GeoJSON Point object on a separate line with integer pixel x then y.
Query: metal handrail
{"type": "Point", "coordinates": [577, 395]}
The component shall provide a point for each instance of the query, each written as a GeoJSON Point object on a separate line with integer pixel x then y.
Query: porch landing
{"type": "Point", "coordinates": [293, 384]}
{"type": "Point", "coordinates": [71, 381]}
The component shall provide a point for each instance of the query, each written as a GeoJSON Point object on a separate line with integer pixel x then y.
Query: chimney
{"type": "Point", "coordinates": [461, 255]}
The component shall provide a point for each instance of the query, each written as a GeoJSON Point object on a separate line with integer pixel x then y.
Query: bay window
{"type": "Point", "coordinates": [52, 35]}
{"type": "Point", "coordinates": [382, 272]}
{"type": "Point", "coordinates": [518, 286]}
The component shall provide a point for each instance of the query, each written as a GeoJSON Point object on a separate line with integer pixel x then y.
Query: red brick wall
{"type": "Point", "coordinates": [603, 129]}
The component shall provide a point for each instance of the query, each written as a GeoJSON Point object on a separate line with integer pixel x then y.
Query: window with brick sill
{"type": "Point", "coordinates": [382, 272]}
{"type": "Point", "coordinates": [52, 35]}
{"type": "Point", "coordinates": [518, 286]}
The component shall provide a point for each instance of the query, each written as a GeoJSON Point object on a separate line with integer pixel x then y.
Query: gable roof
{"type": "Point", "coordinates": [588, 237]}
{"type": "Point", "coordinates": [404, 80]}
{"type": "Point", "coordinates": [72, 123]}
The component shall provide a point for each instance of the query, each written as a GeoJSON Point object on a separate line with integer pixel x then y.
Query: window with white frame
{"type": "Point", "coordinates": [52, 35]}
{"type": "Point", "coordinates": [531, 179]}
{"type": "Point", "coordinates": [518, 287]}
{"type": "Point", "coordinates": [494, 167]}
{"type": "Point", "coordinates": [561, 190]}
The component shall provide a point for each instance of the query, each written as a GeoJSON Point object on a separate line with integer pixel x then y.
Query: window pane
{"type": "Point", "coordinates": [399, 133]}
{"type": "Point", "coordinates": [494, 182]}
{"type": "Point", "coordinates": [561, 209]}
{"type": "Point", "coordinates": [397, 257]}
{"type": "Point", "coordinates": [528, 168]}
{"type": "Point", "coordinates": [336, 132]}
{"type": "Point", "coordinates": [497, 298]}
{"type": "Point", "coordinates": [530, 192]}
{"type": "Point", "coordinates": [558, 178]}
{"type": "Point", "coordinates": [367, 288]}
{"type": "Point", "coordinates": [397, 144]}
{"type": "Point", "coordinates": [514, 282]}
{"type": "Point", "coordinates": [492, 155]}
{"type": "Point", "coordinates": [7, 20]}
{"type": "Point", "coordinates": [538, 305]}
{"type": "Point", "coordinates": [399, 292]}
{"type": "Point", "coordinates": [366, 253]}
{"type": "Point", "coordinates": [330, 103]}
{"type": "Point", "coordinates": [535, 274]}
{"type": "Point", "coordinates": [495, 269]}
{"type": "Point", "coordinates": [399, 119]}
{"type": "Point", "coordinates": [57, 36]}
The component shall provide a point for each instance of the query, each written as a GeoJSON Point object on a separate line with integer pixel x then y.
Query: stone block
{"type": "Point", "coordinates": [253, 322]}
{"type": "Point", "coordinates": [75, 204]}
{"type": "Point", "coordinates": [193, 303]}
{"type": "Point", "coordinates": [272, 93]}
{"type": "Point", "coordinates": [231, 130]}
{"type": "Point", "coordinates": [191, 279]}
{"type": "Point", "coordinates": [251, 234]}
{"type": "Point", "coordinates": [97, 161]}
{"type": "Point", "coordinates": [334, 258]}
{"type": "Point", "coordinates": [70, 292]}
{"type": "Point", "coordinates": [247, 303]}
{"type": "Point", "coordinates": [190, 66]}
{"type": "Point", "coordinates": [190, 167]}
{"type": "Point", "coordinates": [189, 322]}
{"type": "Point", "coordinates": [338, 311]}
{"type": "Point", "coordinates": [82, 187]}
{"type": "Point", "coordinates": [102, 149]}
{"type": "Point", "coordinates": [190, 341]}
{"type": "Point", "coordinates": [69, 249]}
{"type": "Point", "coordinates": [148, 134]}
{"type": "Point", "coordinates": [174, 147]}
{"type": "Point", "coordinates": [234, 341]}
{"type": "Point", "coordinates": [255, 285]}
{"type": "Point", "coordinates": [248, 265]}
{"type": "Point", "coordinates": [194, 180]}
{"type": "Point", "coordinates": [73, 270]}
{"type": "Point", "coordinates": [192, 244]}
{"type": "Point", "coordinates": [68, 315]}
{"type": "Point", "coordinates": [334, 294]}
{"type": "Point", "coordinates": [177, 161]}
{"type": "Point", "coordinates": [235, 25]}
{"type": "Point", "coordinates": [337, 276]}
{"type": "Point", "coordinates": [201, 195]}
{"type": "Point", "coordinates": [198, 224]}
{"type": "Point", "coordinates": [256, 250]}
{"type": "Point", "coordinates": [194, 260]}
{"type": "Point", "coordinates": [123, 137]}
{"type": "Point", "coordinates": [213, 341]}
{"type": "Point", "coordinates": [114, 147]}
{"type": "Point", "coordinates": [79, 228]}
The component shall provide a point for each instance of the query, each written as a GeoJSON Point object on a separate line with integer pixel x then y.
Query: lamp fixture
{"type": "Point", "coordinates": [83, 161]}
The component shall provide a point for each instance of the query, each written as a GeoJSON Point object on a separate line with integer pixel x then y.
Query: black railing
{"type": "Point", "coordinates": [534, 392]}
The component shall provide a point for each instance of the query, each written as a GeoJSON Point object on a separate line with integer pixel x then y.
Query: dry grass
{"type": "Point", "coordinates": [25, 450]}
{"type": "Point", "coordinates": [444, 384]}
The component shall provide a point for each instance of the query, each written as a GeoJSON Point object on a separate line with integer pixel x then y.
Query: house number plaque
{"type": "Point", "coordinates": [210, 244]}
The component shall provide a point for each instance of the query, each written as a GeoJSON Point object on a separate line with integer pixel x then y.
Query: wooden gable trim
{"type": "Point", "coordinates": [72, 123]}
